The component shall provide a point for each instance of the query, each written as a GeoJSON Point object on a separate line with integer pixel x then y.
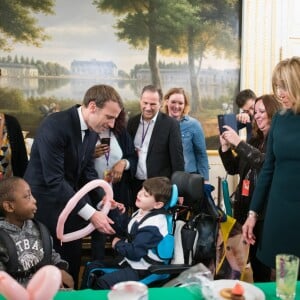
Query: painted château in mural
{"type": "Point", "coordinates": [103, 69]}
{"type": "Point", "coordinates": [208, 76]}
{"type": "Point", "coordinates": [18, 70]}
{"type": "Point", "coordinates": [213, 83]}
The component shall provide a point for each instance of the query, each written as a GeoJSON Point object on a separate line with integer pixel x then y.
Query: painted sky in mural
{"type": "Point", "coordinates": [79, 32]}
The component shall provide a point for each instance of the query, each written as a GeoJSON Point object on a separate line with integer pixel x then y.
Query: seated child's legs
{"type": "Point", "coordinates": [106, 281]}
{"type": "Point", "coordinates": [98, 245]}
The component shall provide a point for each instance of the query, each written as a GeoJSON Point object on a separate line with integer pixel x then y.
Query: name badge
{"type": "Point", "coordinates": [245, 187]}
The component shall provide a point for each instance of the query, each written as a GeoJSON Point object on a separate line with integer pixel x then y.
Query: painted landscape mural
{"type": "Point", "coordinates": [51, 52]}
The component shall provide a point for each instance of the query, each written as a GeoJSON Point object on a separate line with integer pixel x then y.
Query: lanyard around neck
{"type": "Point", "coordinates": [144, 132]}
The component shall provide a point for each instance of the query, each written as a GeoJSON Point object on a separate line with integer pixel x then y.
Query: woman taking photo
{"type": "Point", "coordinates": [246, 159]}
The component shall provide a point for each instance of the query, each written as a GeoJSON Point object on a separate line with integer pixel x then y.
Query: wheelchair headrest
{"type": "Point", "coordinates": [174, 197]}
{"type": "Point", "coordinates": [190, 186]}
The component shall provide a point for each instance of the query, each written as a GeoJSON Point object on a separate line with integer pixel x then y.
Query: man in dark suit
{"type": "Point", "coordinates": [157, 139]}
{"type": "Point", "coordinates": [61, 162]}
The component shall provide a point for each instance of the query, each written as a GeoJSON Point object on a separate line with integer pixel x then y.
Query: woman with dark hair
{"type": "Point", "coordinates": [13, 155]}
{"type": "Point", "coordinates": [246, 159]}
{"type": "Point", "coordinates": [115, 162]}
{"type": "Point", "coordinates": [116, 159]}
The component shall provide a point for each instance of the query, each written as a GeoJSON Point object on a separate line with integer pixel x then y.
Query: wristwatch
{"type": "Point", "coordinates": [253, 214]}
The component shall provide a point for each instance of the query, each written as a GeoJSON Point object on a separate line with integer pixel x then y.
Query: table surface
{"type": "Point", "coordinates": [166, 293]}
{"type": "Point", "coordinates": [162, 293]}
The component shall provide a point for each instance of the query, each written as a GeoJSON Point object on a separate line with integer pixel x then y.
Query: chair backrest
{"type": "Point", "coordinates": [195, 239]}
{"type": "Point", "coordinates": [191, 187]}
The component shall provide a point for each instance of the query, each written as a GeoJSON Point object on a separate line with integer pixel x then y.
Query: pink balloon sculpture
{"type": "Point", "coordinates": [42, 286]}
{"type": "Point", "coordinates": [72, 203]}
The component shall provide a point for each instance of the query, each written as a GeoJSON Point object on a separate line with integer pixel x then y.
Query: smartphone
{"type": "Point", "coordinates": [227, 119]}
{"type": "Point", "coordinates": [105, 141]}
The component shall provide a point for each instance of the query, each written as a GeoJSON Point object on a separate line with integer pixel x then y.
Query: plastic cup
{"type": "Point", "coordinates": [129, 290]}
{"type": "Point", "coordinates": [287, 266]}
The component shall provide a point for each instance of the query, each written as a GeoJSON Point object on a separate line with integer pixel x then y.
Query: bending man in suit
{"type": "Point", "coordinates": [157, 139]}
{"type": "Point", "coordinates": [61, 162]}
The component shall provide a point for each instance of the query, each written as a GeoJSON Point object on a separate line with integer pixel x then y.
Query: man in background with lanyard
{"type": "Point", "coordinates": [157, 139]}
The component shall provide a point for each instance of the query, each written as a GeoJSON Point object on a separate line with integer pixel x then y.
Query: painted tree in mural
{"type": "Point", "coordinates": [144, 24]}
{"type": "Point", "coordinates": [191, 28]}
{"type": "Point", "coordinates": [210, 27]}
{"type": "Point", "coordinates": [17, 23]}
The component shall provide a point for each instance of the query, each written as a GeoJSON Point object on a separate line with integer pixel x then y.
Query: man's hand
{"type": "Point", "coordinates": [243, 118]}
{"type": "Point", "coordinates": [102, 222]}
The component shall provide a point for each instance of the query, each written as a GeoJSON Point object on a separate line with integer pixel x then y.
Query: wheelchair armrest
{"type": "Point", "coordinates": [168, 269]}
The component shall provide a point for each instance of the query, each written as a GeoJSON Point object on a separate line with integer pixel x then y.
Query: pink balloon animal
{"type": "Point", "coordinates": [72, 203]}
{"type": "Point", "coordinates": [43, 285]}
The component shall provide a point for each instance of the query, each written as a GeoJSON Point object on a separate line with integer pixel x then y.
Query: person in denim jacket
{"type": "Point", "coordinates": [176, 105]}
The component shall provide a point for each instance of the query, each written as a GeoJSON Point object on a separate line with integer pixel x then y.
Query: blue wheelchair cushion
{"type": "Point", "coordinates": [174, 197]}
{"type": "Point", "coordinates": [165, 248]}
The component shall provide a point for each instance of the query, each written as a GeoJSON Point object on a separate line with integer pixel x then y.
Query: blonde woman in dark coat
{"type": "Point", "coordinates": [277, 188]}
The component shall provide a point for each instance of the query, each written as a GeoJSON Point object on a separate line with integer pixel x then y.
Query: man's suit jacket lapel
{"type": "Point", "coordinates": [134, 125]}
{"type": "Point", "coordinates": [83, 152]}
{"type": "Point", "coordinates": [77, 135]}
{"type": "Point", "coordinates": [155, 133]}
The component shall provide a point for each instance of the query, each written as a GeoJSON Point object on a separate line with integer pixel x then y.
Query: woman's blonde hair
{"type": "Point", "coordinates": [287, 76]}
{"type": "Point", "coordinates": [172, 91]}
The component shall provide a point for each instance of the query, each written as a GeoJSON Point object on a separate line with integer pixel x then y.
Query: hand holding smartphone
{"type": "Point", "coordinates": [102, 148]}
{"type": "Point", "coordinates": [105, 141]}
{"type": "Point", "coordinates": [229, 120]}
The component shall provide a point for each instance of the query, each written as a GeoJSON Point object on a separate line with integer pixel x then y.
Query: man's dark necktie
{"type": "Point", "coordinates": [85, 142]}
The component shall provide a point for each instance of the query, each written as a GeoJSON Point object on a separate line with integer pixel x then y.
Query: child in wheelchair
{"type": "Point", "coordinates": [137, 251]}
